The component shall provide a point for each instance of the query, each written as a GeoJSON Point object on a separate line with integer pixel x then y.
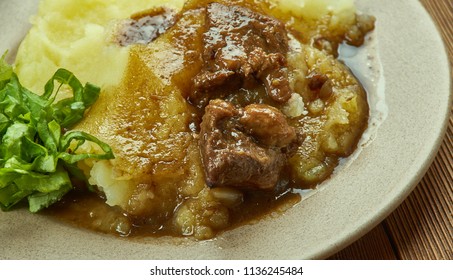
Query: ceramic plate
{"type": "Point", "coordinates": [417, 93]}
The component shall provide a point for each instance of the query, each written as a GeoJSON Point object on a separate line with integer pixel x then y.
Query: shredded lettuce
{"type": "Point", "coordinates": [38, 152]}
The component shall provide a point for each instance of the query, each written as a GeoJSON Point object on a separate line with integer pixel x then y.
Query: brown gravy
{"type": "Point", "coordinates": [240, 85]}
{"type": "Point", "coordinates": [85, 210]}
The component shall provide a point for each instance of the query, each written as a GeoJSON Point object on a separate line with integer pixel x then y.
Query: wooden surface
{"type": "Point", "coordinates": [422, 227]}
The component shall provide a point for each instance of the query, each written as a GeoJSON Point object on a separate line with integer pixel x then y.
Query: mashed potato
{"type": "Point", "coordinates": [308, 9]}
{"type": "Point", "coordinates": [157, 177]}
{"type": "Point", "coordinates": [74, 35]}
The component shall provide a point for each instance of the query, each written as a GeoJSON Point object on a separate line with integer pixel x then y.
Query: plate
{"type": "Point", "coordinates": [347, 206]}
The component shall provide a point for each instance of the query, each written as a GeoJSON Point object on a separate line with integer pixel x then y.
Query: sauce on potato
{"type": "Point", "coordinates": [153, 119]}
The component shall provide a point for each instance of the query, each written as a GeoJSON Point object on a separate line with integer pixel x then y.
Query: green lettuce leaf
{"type": "Point", "coordinates": [37, 159]}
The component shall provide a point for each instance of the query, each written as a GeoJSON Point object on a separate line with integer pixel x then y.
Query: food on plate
{"type": "Point", "coordinates": [217, 112]}
{"type": "Point", "coordinates": [38, 155]}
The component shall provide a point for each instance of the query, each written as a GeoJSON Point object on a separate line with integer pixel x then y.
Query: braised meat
{"type": "Point", "coordinates": [267, 125]}
{"type": "Point", "coordinates": [245, 148]}
{"type": "Point", "coordinates": [241, 49]}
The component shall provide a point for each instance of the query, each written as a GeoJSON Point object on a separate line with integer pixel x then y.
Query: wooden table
{"type": "Point", "coordinates": [422, 227]}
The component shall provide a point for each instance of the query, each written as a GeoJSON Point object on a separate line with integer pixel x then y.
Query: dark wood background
{"type": "Point", "coordinates": [422, 227]}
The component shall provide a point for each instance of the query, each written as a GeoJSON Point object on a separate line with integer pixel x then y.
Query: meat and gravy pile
{"type": "Point", "coordinates": [217, 111]}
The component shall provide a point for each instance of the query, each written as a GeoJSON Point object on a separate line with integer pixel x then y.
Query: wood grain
{"type": "Point", "coordinates": [422, 227]}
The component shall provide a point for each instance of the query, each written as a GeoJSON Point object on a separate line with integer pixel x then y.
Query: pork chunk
{"type": "Point", "coordinates": [238, 152]}
{"type": "Point", "coordinates": [241, 48]}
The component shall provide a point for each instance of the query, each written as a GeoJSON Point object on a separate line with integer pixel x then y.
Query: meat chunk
{"type": "Point", "coordinates": [267, 125]}
{"type": "Point", "coordinates": [320, 84]}
{"type": "Point", "coordinates": [242, 47]}
{"type": "Point", "coordinates": [238, 152]}
{"type": "Point", "coordinates": [316, 80]}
